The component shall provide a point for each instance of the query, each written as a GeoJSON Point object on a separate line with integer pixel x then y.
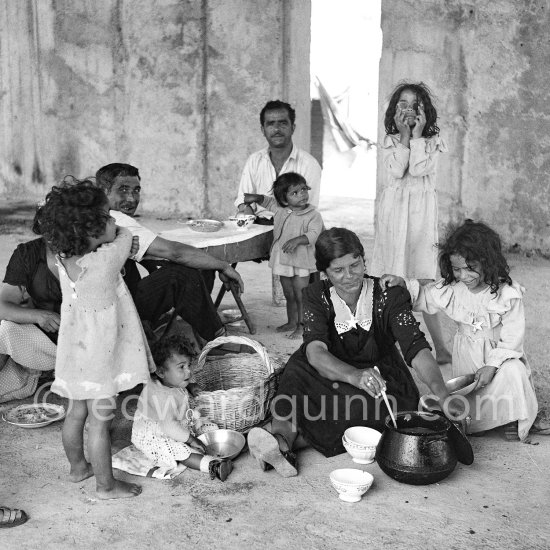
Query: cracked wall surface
{"type": "Point", "coordinates": [174, 87]}
{"type": "Point", "coordinates": [487, 62]}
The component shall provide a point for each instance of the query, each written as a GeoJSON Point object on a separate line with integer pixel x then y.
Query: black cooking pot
{"type": "Point", "coordinates": [423, 448]}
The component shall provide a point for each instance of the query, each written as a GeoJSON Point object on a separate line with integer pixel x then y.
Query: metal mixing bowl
{"type": "Point", "coordinates": [461, 385]}
{"type": "Point", "coordinates": [223, 443]}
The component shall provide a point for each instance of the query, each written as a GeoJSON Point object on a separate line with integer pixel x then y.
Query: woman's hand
{"type": "Point", "coordinates": [197, 444]}
{"type": "Point", "coordinates": [371, 382]}
{"type": "Point", "coordinates": [420, 122]}
{"type": "Point", "coordinates": [484, 376]}
{"type": "Point", "coordinates": [135, 246]}
{"type": "Point", "coordinates": [399, 119]}
{"type": "Point", "coordinates": [388, 280]}
{"type": "Point", "coordinates": [47, 320]}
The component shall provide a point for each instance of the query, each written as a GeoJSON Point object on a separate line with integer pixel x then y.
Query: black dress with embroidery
{"type": "Point", "coordinates": [324, 409]}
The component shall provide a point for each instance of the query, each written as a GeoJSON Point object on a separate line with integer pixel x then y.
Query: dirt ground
{"type": "Point", "coordinates": [501, 501]}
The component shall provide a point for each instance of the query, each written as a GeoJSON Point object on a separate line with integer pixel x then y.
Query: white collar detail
{"type": "Point", "coordinates": [344, 319]}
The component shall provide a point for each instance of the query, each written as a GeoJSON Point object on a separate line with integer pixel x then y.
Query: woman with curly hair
{"type": "Point", "coordinates": [101, 347]}
{"type": "Point", "coordinates": [477, 292]}
{"type": "Point", "coordinates": [407, 214]}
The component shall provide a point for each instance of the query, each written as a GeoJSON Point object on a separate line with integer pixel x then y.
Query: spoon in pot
{"type": "Point", "coordinates": [383, 392]}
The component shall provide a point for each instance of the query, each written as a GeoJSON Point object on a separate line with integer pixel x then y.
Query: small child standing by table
{"type": "Point", "coordinates": [164, 421]}
{"type": "Point", "coordinates": [297, 224]}
{"type": "Point", "coordinates": [101, 349]}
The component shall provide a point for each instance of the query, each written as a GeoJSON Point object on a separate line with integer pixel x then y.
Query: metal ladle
{"type": "Point", "coordinates": [383, 392]}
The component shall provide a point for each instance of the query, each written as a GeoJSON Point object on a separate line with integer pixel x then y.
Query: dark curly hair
{"type": "Point", "coordinates": [106, 175]}
{"type": "Point", "coordinates": [72, 213]}
{"type": "Point", "coordinates": [283, 183]}
{"type": "Point", "coordinates": [424, 96]}
{"type": "Point", "coordinates": [275, 106]}
{"type": "Point", "coordinates": [334, 243]}
{"type": "Point", "coordinates": [162, 349]}
{"type": "Point", "coordinates": [475, 242]}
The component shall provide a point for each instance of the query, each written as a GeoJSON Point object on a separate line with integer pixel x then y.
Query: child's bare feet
{"type": "Point", "coordinates": [298, 332]}
{"type": "Point", "coordinates": [81, 472]}
{"type": "Point", "coordinates": [120, 489]}
{"type": "Point", "coordinates": [286, 327]}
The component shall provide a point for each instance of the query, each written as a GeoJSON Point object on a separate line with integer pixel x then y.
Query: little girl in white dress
{"type": "Point", "coordinates": [101, 349]}
{"type": "Point", "coordinates": [477, 292]}
{"type": "Point", "coordinates": [164, 424]}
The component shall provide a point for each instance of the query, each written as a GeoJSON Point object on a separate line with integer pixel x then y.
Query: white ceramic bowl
{"type": "Point", "coordinates": [360, 442]}
{"type": "Point", "coordinates": [350, 483]}
{"type": "Point", "coordinates": [242, 222]}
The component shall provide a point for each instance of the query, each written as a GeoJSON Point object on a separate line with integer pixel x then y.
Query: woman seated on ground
{"type": "Point", "coordinates": [330, 383]}
{"type": "Point", "coordinates": [30, 301]}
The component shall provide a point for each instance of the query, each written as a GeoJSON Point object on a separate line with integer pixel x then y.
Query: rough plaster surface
{"type": "Point", "coordinates": [487, 63]}
{"type": "Point", "coordinates": [174, 87]}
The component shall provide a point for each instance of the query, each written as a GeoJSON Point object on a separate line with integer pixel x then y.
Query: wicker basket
{"type": "Point", "coordinates": [238, 388]}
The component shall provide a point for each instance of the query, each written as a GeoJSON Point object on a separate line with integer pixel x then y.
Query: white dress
{"type": "Point", "coordinates": [491, 330]}
{"type": "Point", "coordinates": [101, 349]}
{"type": "Point", "coordinates": [159, 404]}
{"type": "Point", "coordinates": [406, 214]}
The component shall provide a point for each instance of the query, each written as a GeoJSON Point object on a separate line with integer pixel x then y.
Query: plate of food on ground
{"type": "Point", "coordinates": [34, 415]}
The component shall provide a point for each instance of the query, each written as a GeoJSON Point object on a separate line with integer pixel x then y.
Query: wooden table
{"type": "Point", "coordinates": [229, 245]}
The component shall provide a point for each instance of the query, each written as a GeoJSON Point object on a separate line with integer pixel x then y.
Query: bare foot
{"type": "Point", "coordinates": [120, 489]}
{"type": "Point", "coordinates": [81, 473]}
{"type": "Point", "coordinates": [297, 334]}
{"type": "Point", "coordinates": [286, 327]}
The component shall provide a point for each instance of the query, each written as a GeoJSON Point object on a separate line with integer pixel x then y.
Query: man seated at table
{"type": "Point", "coordinates": [277, 123]}
{"type": "Point", "coordinates": [175, 280]}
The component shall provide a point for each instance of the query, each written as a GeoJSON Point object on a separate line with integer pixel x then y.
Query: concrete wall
{"type": "Point", "coordinates": [488, 63]}
{"type": "Point", "coordinates": [174, 87]}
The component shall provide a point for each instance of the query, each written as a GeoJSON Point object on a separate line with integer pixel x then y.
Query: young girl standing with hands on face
{"type": "Point", "coordinates": [406, 222]}
{"type": "Point", "coordinates": [476, 291]}
{"type": "Point", "coordinates": [296, 226]}
{"type": "Point", "coordinates": [101, 348]}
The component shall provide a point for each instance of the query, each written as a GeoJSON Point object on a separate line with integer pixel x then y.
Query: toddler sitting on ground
{"type": "Point", "coordinates": [164, 423]}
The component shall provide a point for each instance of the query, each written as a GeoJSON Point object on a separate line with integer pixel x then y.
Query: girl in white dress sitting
{"type": "Point", "coordinates": [101, 348]}
{"type": "Point", "coordinates": [164, 423]}
{"type": "Point", "coordinates": [477, 292]}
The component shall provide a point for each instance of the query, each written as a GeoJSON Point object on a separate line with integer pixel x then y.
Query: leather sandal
{"type": "Point", "coordinates": [265, 448]}
{"type": "Point", "coordinates": [12, 517]}
{"type": "Point", "coordinates": [220, 469]}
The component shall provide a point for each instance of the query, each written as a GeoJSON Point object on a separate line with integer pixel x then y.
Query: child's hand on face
{"type": "Point", "coordinates": [290, 246]}
{"type": "Point", "coordinates": [420, 122]}
{"type": "Point", "coordinates": [135, 246]}
{"type": "Point", "coordinates": [399, 119]}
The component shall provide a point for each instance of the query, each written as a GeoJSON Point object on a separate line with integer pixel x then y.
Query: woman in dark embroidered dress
{"type": "Point", "coordinates": [330, 383]}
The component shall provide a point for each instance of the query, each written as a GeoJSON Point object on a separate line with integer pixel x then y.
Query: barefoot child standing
{"type": "Point", "coordinates": [101, 348]}
{"type": "Point", "coordinates": [164, 422]}
{"type": "Point", "coordinates": [296, 226]}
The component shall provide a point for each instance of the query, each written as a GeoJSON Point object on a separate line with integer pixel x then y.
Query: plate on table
{"type": "Point", "coordinates": [34, 415]}
{"type": "Point", "coordinates": [205, 226]}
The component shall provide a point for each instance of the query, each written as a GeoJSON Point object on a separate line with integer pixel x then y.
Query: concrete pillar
{"type": "Point", "coordinates": [174, 87]}
{"type": "Point", "coordinates": [487, 62]}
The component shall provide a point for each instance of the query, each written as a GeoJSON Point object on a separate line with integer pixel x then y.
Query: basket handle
{"type": "Point", "coordinates": [258, 348]}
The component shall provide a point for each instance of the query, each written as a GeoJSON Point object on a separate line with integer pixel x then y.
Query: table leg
{"type": "Point", "coordinates": [235, 292]}
{"type": "Point", "coordinates": [246, 317]}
